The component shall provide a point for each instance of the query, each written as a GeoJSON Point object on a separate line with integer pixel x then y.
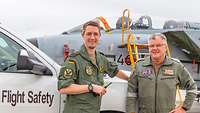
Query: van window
{"type": "Point", "coordinates": [8, 54]}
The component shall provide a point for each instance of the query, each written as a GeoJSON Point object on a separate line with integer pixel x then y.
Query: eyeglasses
{"type": "Point", "coordinates": [95, 34]}
{"type": "Point", "coordinates": [157, 45]}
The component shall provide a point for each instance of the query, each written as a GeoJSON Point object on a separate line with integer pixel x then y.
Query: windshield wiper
{"type": "Point", "coordinates": [4, 69]}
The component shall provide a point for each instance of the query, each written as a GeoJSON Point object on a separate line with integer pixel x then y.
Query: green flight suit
{"type": "Point", "coordinates": [79, 69]}
{"type": "Point", "coordinates": [157, 93]}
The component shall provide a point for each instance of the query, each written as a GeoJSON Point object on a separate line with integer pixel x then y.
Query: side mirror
{"type": "Point", "coordinates": [25, 62]}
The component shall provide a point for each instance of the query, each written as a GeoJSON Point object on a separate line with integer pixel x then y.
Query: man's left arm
{"type": "Point", "coordinates": [122, 75]}
{"type": "Point", "coordinates": [187, 83]}
{"type": "Point", "coordinates": [113, 70]}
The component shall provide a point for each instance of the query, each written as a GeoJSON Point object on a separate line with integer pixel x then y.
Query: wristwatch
{"type": "Point", "coordinates": [90, 87]}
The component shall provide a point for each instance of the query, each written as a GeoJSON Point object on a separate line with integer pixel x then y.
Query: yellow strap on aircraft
{"type": "Point", "coordinates": [135, 47]}
{"type": "Point", "coordinates": [130, 52]}
{"type": "Point", "coordinates": [123, 27]}
{"type": "Point", "coordinates": [131, 37]}
{"type": "Point", "coordinates": [106, 26]}
{"type": "Point", "coordinates": [123, 31]}
{"type": "Point", "coordinates": [168, 52]}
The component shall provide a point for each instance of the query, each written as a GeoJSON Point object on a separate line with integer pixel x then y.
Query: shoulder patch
{"type": "Point", "coordinates": [68, 73]}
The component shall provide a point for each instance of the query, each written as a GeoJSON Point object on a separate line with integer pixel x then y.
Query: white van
{"type": "Point", "coordinates": [28, 80]}
{"type": "Point", "coordinates": [32, 89]}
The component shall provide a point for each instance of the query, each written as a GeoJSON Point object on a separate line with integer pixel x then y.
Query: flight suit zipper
{"type": "Point", "coordinates": [156, 87]}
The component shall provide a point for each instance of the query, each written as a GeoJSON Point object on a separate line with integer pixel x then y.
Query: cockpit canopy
{"type": "Point", "coordinates": [172, 24]}
{"type": "Point", "coordinates": [144, 22]}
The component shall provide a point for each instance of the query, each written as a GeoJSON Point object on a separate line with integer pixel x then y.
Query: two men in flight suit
{"type": "Point", "coordinates": [153, 83]}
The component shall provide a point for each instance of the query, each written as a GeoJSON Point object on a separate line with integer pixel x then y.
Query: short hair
{"type": "Point", "coordinates": [152, 37]}
{"type": "Point", "coordinates": [90, 23]}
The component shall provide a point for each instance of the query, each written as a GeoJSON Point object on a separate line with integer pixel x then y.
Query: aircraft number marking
{"type": "Point", "coordinates": [120, 59]}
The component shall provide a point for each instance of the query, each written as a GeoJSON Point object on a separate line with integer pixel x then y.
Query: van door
{"type": "Point", "coordinates": [22, 91]}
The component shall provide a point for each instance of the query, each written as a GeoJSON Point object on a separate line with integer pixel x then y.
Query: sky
{"type": "Point", "coordinates": [34, 18]}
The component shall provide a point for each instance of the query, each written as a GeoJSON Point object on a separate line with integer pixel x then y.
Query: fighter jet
{"type": "Point", "coordinates": [129, 40]}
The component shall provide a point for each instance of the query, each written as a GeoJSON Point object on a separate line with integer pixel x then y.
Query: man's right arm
{"type": "Point", "coordinates": [74, 89]}
{"type": "Point", "coordinates": [189, 84]}
{"type": "Point", "coordinates": [67, 77]}
{"type": "Point", "coordinates": [78, 89]}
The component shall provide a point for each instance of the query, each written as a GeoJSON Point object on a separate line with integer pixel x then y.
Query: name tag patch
{"type": "Point", "coordinates": [168, 72]}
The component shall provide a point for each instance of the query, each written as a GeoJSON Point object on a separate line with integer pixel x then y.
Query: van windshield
{"type": "Point", "coordinates": [8, 53]}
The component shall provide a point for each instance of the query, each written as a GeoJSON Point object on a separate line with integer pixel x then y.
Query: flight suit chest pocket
{"type": "Point", "coordinates": [168, 78]}
{"type": "Point", "coordinates": [168, 74]}
{"type": "Point", "coordinates": [145, 82]}
{"type": "Point", "coordinates": [144, 78]}
{"type": "Point", "coordinates": [146, 74]}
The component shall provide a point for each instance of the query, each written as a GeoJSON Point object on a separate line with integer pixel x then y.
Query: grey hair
{"type": "Point", "coordinates": [162, 36]}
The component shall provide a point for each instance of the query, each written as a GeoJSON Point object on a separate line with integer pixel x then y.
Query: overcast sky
{"type": "Point", "coordinates": [32, 18]}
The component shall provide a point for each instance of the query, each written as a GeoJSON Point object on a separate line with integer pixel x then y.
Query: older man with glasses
{"type": "Point", "coordinates": [155, 79]}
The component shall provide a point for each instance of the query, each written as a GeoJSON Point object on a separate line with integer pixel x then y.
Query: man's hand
{"type": "Point", "coordinates": [100, 90]}
{"type": "Point", "coordinates": [178, 110]}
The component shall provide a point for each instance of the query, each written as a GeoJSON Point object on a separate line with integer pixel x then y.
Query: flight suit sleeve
{"type": "Point", "coordinates": [132, 93]}
{"type": "Point", "coordinates": [68, 74]}
{"type": "Point", "coordinates": [111, 68]}
{"type": "Point", "coordinates": [187, 83]}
